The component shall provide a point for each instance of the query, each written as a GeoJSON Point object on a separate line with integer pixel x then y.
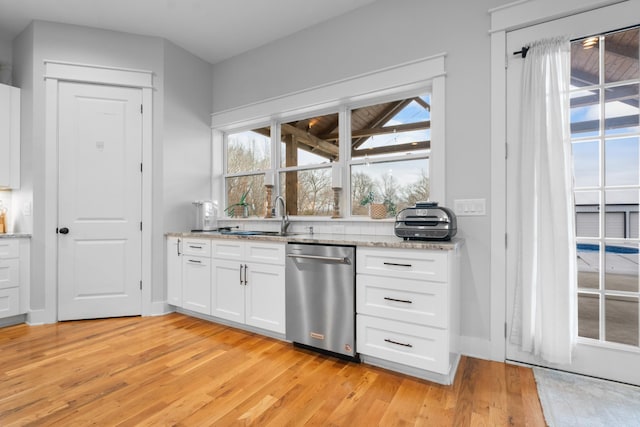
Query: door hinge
{"type": "Point", "coordinates": [506, 150]}
{"type": "Point", "coordinates": [505, 240]}
{"type": "Point", "coordinates": [140, 284]}
{"type": "Point", "coordinates": [140, 167]}
{"type": "Point", "coordinates": [140, 108]}
{"type": "Point", "coordinates": [140, 225]}
{"type": "Point", "coordinates": [505, 328]}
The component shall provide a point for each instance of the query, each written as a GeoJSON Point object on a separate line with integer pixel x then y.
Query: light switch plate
{"type": "Point", "coordinates": [469, 207]}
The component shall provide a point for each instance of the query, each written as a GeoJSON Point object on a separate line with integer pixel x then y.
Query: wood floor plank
{"type": "Point", "coordinates": [179, 370]}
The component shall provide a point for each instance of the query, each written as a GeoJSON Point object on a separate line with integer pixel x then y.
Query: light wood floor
{"type": "Point", "coordinates": [177, 370]}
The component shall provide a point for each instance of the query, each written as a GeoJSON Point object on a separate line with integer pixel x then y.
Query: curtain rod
{"type": "Point", "coordinates": [523, 51]}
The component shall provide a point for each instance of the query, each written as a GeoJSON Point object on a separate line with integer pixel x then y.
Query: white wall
{"type": "Point", "coordinates": [187, 142]}
{"type": "Point", "coordinates": [5, 62]}
{"type": "Point", "coordinates": [383, 34]}
{"type": "Point", "coordinates": [51, 41]}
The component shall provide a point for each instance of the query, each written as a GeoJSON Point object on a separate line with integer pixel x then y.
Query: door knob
{"type": "Point", "coordinates": [64, 230]}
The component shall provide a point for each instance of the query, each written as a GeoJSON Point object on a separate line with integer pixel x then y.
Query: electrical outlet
{"type": "Point", "coordinates": [469, 207]}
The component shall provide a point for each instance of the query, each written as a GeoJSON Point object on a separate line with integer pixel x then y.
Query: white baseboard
{"type": "Point", "coordinates": [477, 347]}
{"type": "Point", "coordinates": [40, 317]}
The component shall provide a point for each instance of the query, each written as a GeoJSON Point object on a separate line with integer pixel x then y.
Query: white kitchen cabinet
{"type": "Point", "coordinates": [196, 275]}
{"type": "Point", "coordinates": [14, 276]}
{"type": "Point", "coordinates": [174, 271]}
{"type": "Point", "coordinates": [9, 137]}
{"type": "Point", "coordinates": [407, 310]}
{"type": "Point", "coordinates": [248, 283]}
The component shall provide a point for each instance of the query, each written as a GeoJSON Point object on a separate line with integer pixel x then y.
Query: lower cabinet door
{"type": "Point", "coordinates": [405, 343]}
{"type": "Point", "coordinates": [265, 297]}
{"type": "Point", "coordinates": [227, 299]}
{"type": "Point", "coordinates": [9, 302]}
{"type": "Point", "coordinates": [196, 284]}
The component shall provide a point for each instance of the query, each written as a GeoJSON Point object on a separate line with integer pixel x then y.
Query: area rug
{"type": "Point", "coordinates": [574, 400]}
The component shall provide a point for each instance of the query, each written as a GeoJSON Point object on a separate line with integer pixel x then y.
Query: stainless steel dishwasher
{"type": "Point", "coordinates": [320, 297]}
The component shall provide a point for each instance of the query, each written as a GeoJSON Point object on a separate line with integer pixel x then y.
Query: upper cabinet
{"type": "Point", "coordinates": [9, 137]}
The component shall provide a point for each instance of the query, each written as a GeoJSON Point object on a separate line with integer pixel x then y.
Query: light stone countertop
{"type": "Point", "coordinates": [335, 239]}
{"type": "Point", "coordinates": [14, 235]}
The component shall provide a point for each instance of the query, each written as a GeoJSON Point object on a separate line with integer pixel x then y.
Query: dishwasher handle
{"type": "Point", "coordinates": [341, 260]}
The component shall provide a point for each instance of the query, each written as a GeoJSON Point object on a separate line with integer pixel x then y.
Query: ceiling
{"type": "Point", "coordinates": [211, 29]}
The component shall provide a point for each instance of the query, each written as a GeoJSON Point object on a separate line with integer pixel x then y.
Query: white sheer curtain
{"type": "Point", "coordinates": [545, 315]}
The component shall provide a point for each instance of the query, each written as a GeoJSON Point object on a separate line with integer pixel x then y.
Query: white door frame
{"type": "Point", "coordinates": [55, 72]}
{"type": "Point", "coordinates": [519, 14]}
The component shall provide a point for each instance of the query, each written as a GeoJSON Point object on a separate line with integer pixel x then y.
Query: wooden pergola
{"type": "Point", "coordinates": [621, 51]}
{"type": "Point", "coordinates": [319, 135]}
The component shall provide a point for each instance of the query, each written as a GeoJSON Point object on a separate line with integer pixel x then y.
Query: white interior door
{"type": "Point", "coordinates": [597, 352]}
{"type": "Point", "coordinates": [99, 213]}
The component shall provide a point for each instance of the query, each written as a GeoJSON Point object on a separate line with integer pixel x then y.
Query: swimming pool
{"type": "Point", "coordinates": [590, 247]}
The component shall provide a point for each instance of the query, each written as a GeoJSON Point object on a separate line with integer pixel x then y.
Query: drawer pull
{"type": "Point", "coordinates": [398, 343]}
{"type": "Point", "coordinates": [398, 265]}
{"type": "Point", "coordinates": [406, 301]}
{"type": "Point", "coordinates": [195, 261]}
{"type": "Point", "coordinates": [195, 247]}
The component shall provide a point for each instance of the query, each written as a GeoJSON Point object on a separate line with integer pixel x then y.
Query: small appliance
{"type": "Point", "coordinates": [206, 215]}
{"type": "Point", "coordinates": [426, 221]}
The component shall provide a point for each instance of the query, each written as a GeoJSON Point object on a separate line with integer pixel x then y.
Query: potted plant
{"type": "Point", "coordinates": [376, 210]}
{"type": "Point", "coordinates": [239, 209]}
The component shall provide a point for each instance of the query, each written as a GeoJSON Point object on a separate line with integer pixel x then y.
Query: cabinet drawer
{"type": "Point", "coordinates": [197, 247]}
{"type": "Point", "coordinates": [420, 302]}
{"type": "Point", "coordinates": [9, 248]}
{"type": "Point", "coordinates": [227, 249]}
{"type": "Point", "coordinates": [408, 344]}
{"type": "Point", "coordinates": [409, 264]}
{"type": "Point", "coordinates": [9, 302]}
{"type": "Point", "coordinates": [270, 253]}
{"type": "Point", "coordinates": [9, 273]}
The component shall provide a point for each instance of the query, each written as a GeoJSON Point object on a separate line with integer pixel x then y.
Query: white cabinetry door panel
{"type": "Point", "coordinates": [196, 247]}
{"type": "Point", "coordinates": [196, 284]}
{"type": "Point", "coordinates": [228, 249]}
{"type": "Point", "coordinates": [408, 264]}
{"type": "Point", "coordinates": [424, 303]}
{"type": "Point", "coordinates": [9, 137]}
{"type": "Point", "coordinates": [9, 302]}
{"type": "Point", "coordinates": [9, 248]}
{"type": "Point", "coordinates": [264, 253]}
{"type": "Point", "coordinates": [174, 271]}
{"type": "Point", "coordinates": [9, 273]}
{"type": "Point", "coordinates": [409, 344]}
{"type": "Point", "coordinates": [265, 297]}
{"type": "Point", "coordinates": [228, 290]}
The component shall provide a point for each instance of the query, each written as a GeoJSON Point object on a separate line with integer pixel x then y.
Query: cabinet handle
{"type": "Point", "coordinates": [241, 281]}
{"type": "Point", "coordinates": [195, 247]}
{"type": "Point", "coordinates": [397, 343]}
{"type": "Point", "coordinates": [246, 280]}
{"type": "Point", "coordinates": [398, 265]}
{"type": "Point", "coordinates": [195, 261]}
{"type": "Point", "coordinates": [406, 301]}
{"type": "Point", "coordinates": [178, 247]}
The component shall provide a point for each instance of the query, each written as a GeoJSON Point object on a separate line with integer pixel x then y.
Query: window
{"type": "Point", "coordinates": [388, 160]}
{"type": "Point", "coordinates": [248, 156]}
{"type": "Point", "coordinates": [390, 147]}
{"type": "Point", "coordinates": [307, 148]}
{"type": "Point", "coordinates": [605, 134]}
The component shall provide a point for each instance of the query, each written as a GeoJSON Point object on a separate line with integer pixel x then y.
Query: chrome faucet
{"type": "Point", "coordinates": [284, 223]}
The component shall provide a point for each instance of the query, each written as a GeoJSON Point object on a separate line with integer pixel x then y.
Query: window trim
{"type": "Point", "coordinates": [427, 74]}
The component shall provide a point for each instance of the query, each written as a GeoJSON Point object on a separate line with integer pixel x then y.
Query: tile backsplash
{"type": "Point", "coordinates": [301, 225]}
